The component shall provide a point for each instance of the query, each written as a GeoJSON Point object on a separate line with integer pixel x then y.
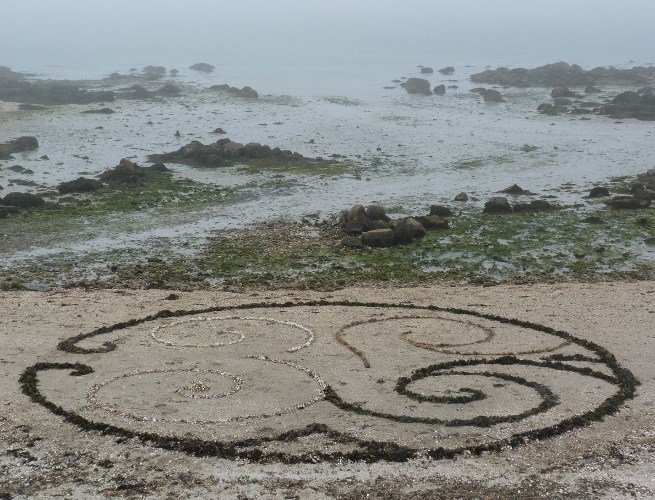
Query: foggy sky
{"type": "Point", "coordinates": [132, 31]}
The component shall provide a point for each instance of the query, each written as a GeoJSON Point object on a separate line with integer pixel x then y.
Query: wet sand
{"type": "Point", "coordinates": [283, 394]}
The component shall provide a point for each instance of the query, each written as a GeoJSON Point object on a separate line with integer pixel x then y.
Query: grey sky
{"type": "Point", "coordinates": [40, 31]}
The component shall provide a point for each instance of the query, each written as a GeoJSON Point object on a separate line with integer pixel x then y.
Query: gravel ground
{"type": "Point", "coordinates": [295, 394]}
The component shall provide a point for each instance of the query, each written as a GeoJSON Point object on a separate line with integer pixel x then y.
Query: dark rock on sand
{"type": "Point", "coordinates": [417, 86]}
{"type": "Point", "coordinates": [440, 210]}
{"type": "Point", "coordinates": [204, 67]}
{"type": "Point", "coordinates": [407, 230]}
{"type": "Point", "coordinates": [23, 200]}
{"type": "Point", "coordinates": [224, 87]}
{"type": "Point", "coordinates": [562, 74]}
{"type": "Point", "coordinates": [631, 104]}
{"type": "Point", "coordinates": [432, 222]}
{"type": "Point", "coordinates": [514, 189]}
{"type": "Point", "coordinates": [628, 202]}
{"type": "Point", "coordinates": [218, 130]}
{"type": "Point", "coordinates": [50, 93]}
{"type": "Point", "coordinates": [101, 111]}
{"type": "Point", "coordinates": [598, 192]}
{"type": "Point", "coordinates": [534, 206]}
{"type": "Point", "coordinates": [491, 95]}
{"type": "Point", "coordinates": [127, 173]}
{"type": "Point", "coordinates": [25, 143]}
{"type": "Point", "coordinates": [379, 238]}
{"type": "Point", "coordinates": [440, 89]}
{"type": "Point", "coordinates": [79, 185]}
{"type": "Point", "coordinates": [547, 108]}
{"type": "Point", "coordinates": [497, 205]}
{"type": "Point", "coordinates": [224, 151]}
{"type": "Point", "coordinates": [461, 197]}
{"type": "Point", "coordinates": [248, 93]}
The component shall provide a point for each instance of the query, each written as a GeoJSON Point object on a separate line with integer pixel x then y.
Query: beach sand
{"type": "Point", "coordinates": [248, 370]}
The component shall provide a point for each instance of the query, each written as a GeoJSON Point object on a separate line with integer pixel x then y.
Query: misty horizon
{"type": "Point", "coordinates": [292, 33]}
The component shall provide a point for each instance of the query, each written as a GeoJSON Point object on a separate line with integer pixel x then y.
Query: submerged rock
{"type": "Point", "coordinates": [448, 70]}
{"type": "Point", "coordinates": [204, 67]}
{"type": "Point", "coordinates": [425, 70]}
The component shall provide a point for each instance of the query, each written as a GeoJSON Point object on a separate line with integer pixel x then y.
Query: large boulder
{"type": "Point", "coordinates": [628, 202]}
{"type": "Point", "coordinates": [440, 89]}
{"type": "Point", "coordinates": [491, 95]}
{"type": "Point", "coordinates": [379, 238]}
{"type": "Point", "coordinates": [599, 192]}
{"type": "Point", "coordinates": [408, 230]}
{"type": "Point", "coordinates": [79, 185]}
{"type": "Point", "coordinates": [418, 86]}
{"type": "Point", "coordinates": [248, 93]}
{"type": "Point", "coordinates": [431, 222]}
{"type": "Point", "coordinates": [561, 92]}
{"type": "Point", "coordinates": [497, 205]}
{"type": "Point", "coordinates": [204, 67]}
{"type": "Point", "coordinates": [25, 143]}
{"type": "Point", "coordinates": [448, 70]}
{"type": "Point", "coordinates": [23, 200]}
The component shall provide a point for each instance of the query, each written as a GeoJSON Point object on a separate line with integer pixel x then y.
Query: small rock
{"type": "Point", "coordinates": [378, 238]}
{"type": "Point", "coordinates": [352, 242]}
{"type": "Point", "coordinates": [598, 192]}
{"type": "Point", "coordinates": [461, 197]}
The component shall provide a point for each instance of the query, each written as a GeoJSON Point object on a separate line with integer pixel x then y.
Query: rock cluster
{"type": "Point", "coordinates": [15, 201]}
{"type": "Point", "coordinates": [371, 226]}
{"type": "Point", "coordinates": [247, 92]}
{"type": "Point", "coordinates": [49, 92]}
{"type": "Point", "coordinates": [224, 152]}
{"type": "Point", "coordinates": [128, 174]}
{"type": "Point", "coordinates": [25, 143]}
{"type": "Point", "coordinates": [562, 74]}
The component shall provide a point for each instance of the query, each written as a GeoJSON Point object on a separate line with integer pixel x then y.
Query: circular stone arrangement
{"type": "Point", "coordinates": [461, 389]}
{"type": "Point", "coordinates": [241, 336]}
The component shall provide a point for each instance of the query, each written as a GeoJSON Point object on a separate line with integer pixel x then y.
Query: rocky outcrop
{"type": "Point", "coordinates": [562, 74]}
{"type": "Point", "coordinates": [50, 93]}
{"type": "Point", "coordinates": [497, 205]}
{"type": "Point", "coordinates": [79, 185]}
{"type": "Point", "coordinates": [25, 143]}
{"type": "Point", "coordinates": [224, 152]}
{"type": "Point", "coordinates": [23, 200]}
{"type": "Point", "coordinates": [245, 92]}
{"type": "Point", "coordinates": [129, 174]}
{"type": "Point", "coordinates": [631, 104]}
{"type": "Point", "coordinates": [599, 192]}
{"type": "Point", "coordinates": [417, 86]}
{"type": "Point", "coordinates": [491, 95]}
{"type": "Point", "coordinates": [204, 67]}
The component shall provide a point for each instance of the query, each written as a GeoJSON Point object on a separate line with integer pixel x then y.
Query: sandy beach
{"type": "Point", "coordinates": [431, 392]}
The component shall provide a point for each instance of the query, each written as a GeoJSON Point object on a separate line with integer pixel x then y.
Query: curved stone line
{"type": "Point", "coordinates": [371, 451]}
{"type": "Point", "coordinates": [307, 343]}
{"type": "Point", "coordinates": [342, 331]}
{"type": "Point", "coordinates": [93, 399]}
{"type": "Point", "coordinates": [92, 395]}
{"type": "Point", "coordinates": [548, 398]}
